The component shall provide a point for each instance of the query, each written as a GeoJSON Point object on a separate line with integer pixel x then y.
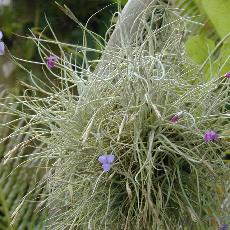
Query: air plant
{"type": "Point", "coordinates": [165, 175]}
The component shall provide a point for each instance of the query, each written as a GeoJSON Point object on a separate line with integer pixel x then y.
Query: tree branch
{"type": "Point", "coordinates": [125, 30]}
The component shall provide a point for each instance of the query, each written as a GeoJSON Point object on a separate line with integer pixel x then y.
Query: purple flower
{"type": "Point", "coordinates": [227, 75]}
{"type": "Point", "coordinates": [224, 227]}
{"type": "Point", "coordinates": [210, 136]}
{"type": "Point", "coordinates": [175, 118]}
{"type": "Point", "coordinates": [51, 60]}
{"type": "Point", "coordinates": [106, 161]}
{"type": "Point", "coordinates": [2, 45]}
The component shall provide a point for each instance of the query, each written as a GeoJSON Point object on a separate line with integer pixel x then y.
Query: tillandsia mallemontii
{"type": "Point", "coordinates": [157, 160]}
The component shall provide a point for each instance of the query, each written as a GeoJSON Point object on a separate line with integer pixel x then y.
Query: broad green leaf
{"type": "Point", "coordinates": [218, 12]}
{"type": "Point", "coordinates": [198, 48]}
{"type": "Point", "coordinates": [199, 5]}
{"type": "Point", "coordinates": [224, 58]}
{"type": "Point", "coordinates": [122, 2]}
{"type": "Point", "coordinates": [211, 70]}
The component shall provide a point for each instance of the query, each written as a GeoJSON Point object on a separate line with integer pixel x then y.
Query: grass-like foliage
{"type": "Point", "coordinates": [165, 176]}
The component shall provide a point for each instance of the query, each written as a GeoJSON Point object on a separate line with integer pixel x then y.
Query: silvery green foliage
{"type": "Point", "coordinates": [164, 175]}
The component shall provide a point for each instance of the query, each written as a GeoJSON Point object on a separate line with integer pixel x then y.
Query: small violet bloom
{"type": "Point", "coordinates": [106, 161]}
{"type": "Point", "coordinates": [210, 136]}
{"type": "Point", "coordinates": [227, 75]}
{"type": "Point", "coordinates": [2, 45]}
{"type": "Point", "coordinates": [224, 227]}
{"type": "Point", "coordinates": [51, 60]}
{"type": "Point", "coordinates": [175, 118]}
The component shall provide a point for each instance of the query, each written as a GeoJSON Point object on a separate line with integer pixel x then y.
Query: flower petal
{"type": "Point", "coordinates": [1, 35]}
{"type": "Point", "coordinates": [51, 60]}
{"type": "Point", "coordinates": [175, 118]}
{"type": "Point", "coordinates": [110, 158]}
{"type": "Point", "coordinates": [103, 159]}
{"type": "Point", "coordinates": [2, 48]}
{"type": "Point", "coordinates": [227, 75]}
{"type": "Point", "coordinates": [224, 227]}
{"type": "Point", "coordinates": [106, 167]}
{"type": "Point", "coordinates": [210, 136]}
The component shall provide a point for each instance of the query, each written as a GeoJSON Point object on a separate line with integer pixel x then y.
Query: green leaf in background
{"type": "Point", "coordinates": [199, 5]}
{"type": "Point", "coordinates": [224, 58]}
{"type": "Point", "coordinates": [198, 48]}
{"type": "Point", "coordinates": [218, 12]}
{"type": "Point", "coordinates": [213, 13]}
{"type": "Point", "coordinates": [122, 2]}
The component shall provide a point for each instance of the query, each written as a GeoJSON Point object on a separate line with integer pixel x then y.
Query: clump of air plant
{"type": "Point", "coordinates": [165, 174]}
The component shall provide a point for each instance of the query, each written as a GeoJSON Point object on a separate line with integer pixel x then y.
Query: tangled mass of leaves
{"type": "Point", "coordinates": [135, 144]}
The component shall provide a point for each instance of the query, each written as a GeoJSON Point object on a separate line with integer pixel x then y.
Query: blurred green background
{"type": "Point", "coordinates": [18, 17]}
